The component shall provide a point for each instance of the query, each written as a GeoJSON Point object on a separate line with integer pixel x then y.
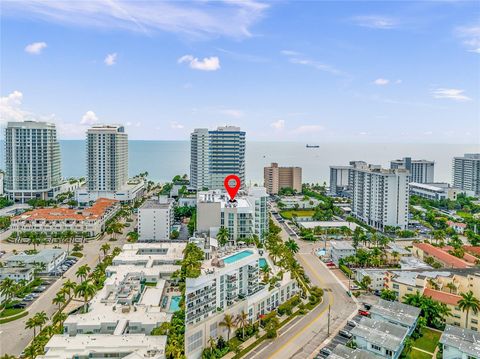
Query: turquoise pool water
{"type": "Point", "coordinates": [175, 303]}
{"type": "Point", "coordinates": [321, 252]}
{"type": "Point", "coordinates": [237, 257]}
{"type": "Point", "coordinates": [262, 262]}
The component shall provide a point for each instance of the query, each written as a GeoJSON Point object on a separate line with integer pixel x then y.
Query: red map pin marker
{"type": "Point", "coordinates": [232, 191]}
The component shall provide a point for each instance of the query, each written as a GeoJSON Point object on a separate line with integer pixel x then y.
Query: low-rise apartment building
{"type": "Point", "coordinates": [91, 220]}
{"type": "Point", "coordinates": [49, 258]}
{"type": "Point", "coordinates": [17, 273]}
{"type": "Point", "coordinates": [444, 285]}
{"type": "Point", "coordinates": [380, 337]}
{"type": "Point", "coordinates": [343, 352]}
{"type": "Point", "coordinates": [340, 250]}
{"type": "Point", "coordinates": [155, 219]}
{"type": "Point", "coordinates": [298, 202]}
{"type": "Point", "coordinates": [128, 192]}
{"type": "Point", "coordinates": [397, 313]}
{"type": "Point", "coordinates": [437, 191]}
{"type": "Point", "coordinates": [244, 217]}
{"type": "Point", "coordinates": [441, 255]}
{"type": "Point", "coordinates": [460, 343]}
{"type": "Point", "coordinates": [229, 284]}
{"type": "Point", "coordinates": [105, 346]}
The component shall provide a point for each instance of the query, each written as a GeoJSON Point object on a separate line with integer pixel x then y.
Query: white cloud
{"type": "Point", "coordinates": [299, 59]}
{"type": "Point", "coordinates": [376, 22]}
{"type": "Point", "coordinates": [207, 64]}
{"type": "Point", "coordinates": [110, 59]}
{"type": "Point", "coordinates": [10, 107]}
{"type": "Point", "coordinates": [470, 36]}
{"type": "Point", "coordinates": [363, 133]}
{"type": "Point", "coordinates": [278, 125]}
{"type": "Point", "coordinates": [176, 126]}
{"type": "Point", "coordinates": [35, 48]}
{"type": "Point", "coordinates": [232, 112]}
{"type": "Point", "coordinates": [200, 19]}
{"type": "Point", "coordinates": [452, 94]}
{"type": "Point", "coordinates": [381, 82]}
{"type": "Point", "coordinates": [89, 118]}
{"type": "Point", "coordinates": [308, 129]}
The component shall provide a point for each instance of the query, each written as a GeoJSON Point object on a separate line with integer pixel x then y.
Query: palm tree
{"type": "Point", "coordinates": [31, 351]}
{"type": "Point", "coordinates": [59, 300]}
{"type": "Point", "coordinates": [68, 287]}
{"type": "Point", "coordinates": [223, 236]}
{"type": "Point", "coordinates": [433, 284]}
{"type": "Point", "coordinates": [105, 248]}
{"type": "Point", "coordinates": [229, 323]}
{"type": "Point", "coordinates": [8, 289]}
{"type": "Point", "coordinates": [59, 318]}
{"type": "Point", "coordinates": [132, 236]}
{"type": "Point", "coordinates": [34, 239]}
{"type": "Point", "coordinates": [82, 272]}
{"type": "Point", "coordinates": [451, 286]}
{"type": "Point", "coordinates": [40, 319]}
{"type": "Point", "coordinates": [242, 321]}
{"type": "Point", "coordinates": [292, 245]}
{"type": "Point", "coordinates": [86, 290]}
{"type": "Point", "coordinates": [468, 303]}
{"type": "Point", "coordinates": [266, 273]}
{"type": "Point", "coordinates": [31, 324]}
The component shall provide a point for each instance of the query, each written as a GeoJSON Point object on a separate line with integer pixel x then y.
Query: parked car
{"type": "Point", "coordinates": [331, 264]}
{"type": "Point", "coordinates": [367, 306]}
{"type": "Point", "coordinates": [352, 323]}
{"type": "Point", "coordinates": [345, 334]}
{"type": "Point", "coordinates": [363, 313]}
{"type": "Point", "coordinates": [325, 351]}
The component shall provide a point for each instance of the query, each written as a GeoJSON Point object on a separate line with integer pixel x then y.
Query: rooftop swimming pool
{"type": "Point", "coordinates": [174, 304]}
{"type": "Point", "coordinates": [236, 257]}
{"type": "Point", "coordinates": [262, 262]}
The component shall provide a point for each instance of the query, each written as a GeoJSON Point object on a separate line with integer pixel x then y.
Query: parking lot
{"type": "Point", "coordinates": [30, 298]}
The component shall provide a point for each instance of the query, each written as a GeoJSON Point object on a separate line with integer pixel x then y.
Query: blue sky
{"type": "Point", "coordinates": [324, 71]}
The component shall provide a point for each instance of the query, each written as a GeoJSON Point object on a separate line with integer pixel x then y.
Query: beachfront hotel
{"type": "Point", "coordinates": [466, 172]}
{"type": "Point", "coordinates": [32, 161]}
{"type": "Point", "coordinates": [215, 155]}
{"type": "Point", "coordinates": [275, 178]}
{"type": "Point", "coordinates": [230, 283]}
{"type": "Point", "coordinates": [107, 167]}
{"type": "Point", "coordinates": [421, 171]}
{"type": "Point", "coordinates": [245, 217]}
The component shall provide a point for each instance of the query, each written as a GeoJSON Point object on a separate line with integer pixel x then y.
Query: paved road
{"type": "Point", "coordinates": [13, 335]}
{"type": "Point", "coordinates": [303, 337]}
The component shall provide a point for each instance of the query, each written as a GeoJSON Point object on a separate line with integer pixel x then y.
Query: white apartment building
{"type": "Point", "coordinates": [380, 196]}
{"type": "Point", "coordinates": [200, 159]}
{"type": "Point", "coordinates": [17, 273]}
{"type": "Point", "coordinates": [32, 160]}
{"type": "Point", "coordinates": [466, 172]}
{"type": "Point", "coordinates": [231, 283]}
{"type": "Point", "coordinates": [339, 176]}
{"type": "Point", "coordinates": [215, 155]}
{"type": "Point", "coordinates": [128, 192]}
{"type": "Point", "coordinates": [155, 219]}
{"type": "Point", "coordinates": [340, 250]}
{"type": "Point", "coordinates": [50, 257]}
{"type": "Point", "coordinates": [421, 171]}
{"type": "Point", "coordinates": [103, 346]}
{"type": "Point", "coordinates": [91, 220]}
{"type": "Point", "coordinates": [437, 191]}
{"type": "Point", "coordinates": [107, 158]}
{"type": "Point", "coordinates": [243, 218]}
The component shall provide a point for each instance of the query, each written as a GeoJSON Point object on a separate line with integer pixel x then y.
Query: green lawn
{"type": "Point", "coordinates": [428, 341]}
{"type": "Point", "coordinates": [300, 213]}
{"type": "Point", "coordinates": [10, 311]}
{"type": "Point", "coordinates": [415, 354]}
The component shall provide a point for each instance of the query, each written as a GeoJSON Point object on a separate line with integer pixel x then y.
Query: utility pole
{"type": "Point", "coordinates": [328, 325]}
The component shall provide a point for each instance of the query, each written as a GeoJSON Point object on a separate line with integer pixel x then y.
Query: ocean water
{"type": "Point", "coordinates": [164, 159]}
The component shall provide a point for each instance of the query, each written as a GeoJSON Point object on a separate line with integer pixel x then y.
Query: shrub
{"type": "Point", "coordinates": [286, 308]}
{"type": "Point", "coordinates": [77, 254]}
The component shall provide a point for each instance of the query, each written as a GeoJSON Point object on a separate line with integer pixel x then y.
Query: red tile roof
{"type": "Point", "coordinates": [456, 224]}
{"type": "Point", "coordinates": [472, 249]}
{"type": "Point", "coordinates": [441, 255]}
{"type": "Point", "coordinates": [442, 297]}
{"type": "Point", "coordinates": [97, 210]}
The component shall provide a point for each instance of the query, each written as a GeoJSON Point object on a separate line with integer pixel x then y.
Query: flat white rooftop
{"type": "Point", "coordinates": [328, 224]}
{"type": "Point", "coordinates": [64, 346]}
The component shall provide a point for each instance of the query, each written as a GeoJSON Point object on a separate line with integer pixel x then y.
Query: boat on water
{"type": "Point", "coordinates": [312, 146]}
